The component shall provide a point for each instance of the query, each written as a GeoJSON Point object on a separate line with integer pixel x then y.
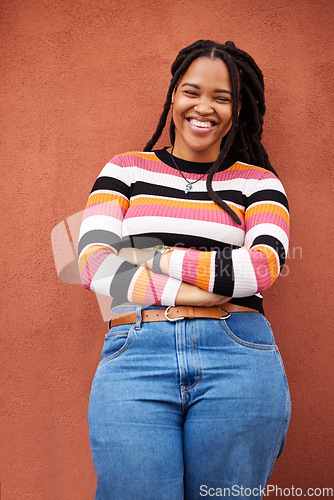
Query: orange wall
{"type": "Point", "coordinates": [82, 81]}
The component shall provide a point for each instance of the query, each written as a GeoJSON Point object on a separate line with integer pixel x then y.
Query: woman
{"type": "Point", "coordinates": [190, 397]}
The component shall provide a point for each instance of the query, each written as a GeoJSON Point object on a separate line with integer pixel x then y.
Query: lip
{"type": "Point", "coordinates": [200, 130]}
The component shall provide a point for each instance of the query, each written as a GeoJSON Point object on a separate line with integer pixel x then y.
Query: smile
{"type": "Point", "coordinates": [200, 126]}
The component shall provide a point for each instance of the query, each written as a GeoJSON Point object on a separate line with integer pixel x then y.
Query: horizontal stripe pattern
{"type": "Point", "coordinates": [139, 196]}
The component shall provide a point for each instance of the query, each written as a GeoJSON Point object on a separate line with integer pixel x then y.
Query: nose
{"type": "Point", "coordinates": [204, 106]}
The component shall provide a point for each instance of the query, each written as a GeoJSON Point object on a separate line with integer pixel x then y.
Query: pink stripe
{"type": "Point", "coordinates": [148, 165]}
{"type": "Point", "coordinates": [155, 289]}
{"type": "Point", "coordinates": [249, 173]}
{"type": "Point", "coordinates": [91, 266]}
{"type": "Point", "coordinates": [218, 216]}
{"type": "Point", "coordinates": [160, 167]}
{"type": "Point", "coordinates": [190, 266]}
{"type": "Point", "coordinates": [109, 209]}
{"type": "Point", "coordinates": [268, 218]}
{"type": "Point", "coordinates": [261, 269]}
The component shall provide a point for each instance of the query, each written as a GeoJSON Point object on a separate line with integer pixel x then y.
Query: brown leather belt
{"type": "Point", "coordinates": [177, 313]}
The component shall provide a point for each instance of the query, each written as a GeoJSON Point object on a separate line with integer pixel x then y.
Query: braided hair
{"type": "Point", "coordinates": [244, 137]}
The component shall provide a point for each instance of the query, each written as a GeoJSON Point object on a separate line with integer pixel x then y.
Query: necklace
{"type": "Point", "coordinates": [189, 183]}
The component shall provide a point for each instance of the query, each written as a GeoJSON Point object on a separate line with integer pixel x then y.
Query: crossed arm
{"type": "Point", "coordinates": [190, 277]}
{"type": "Point", "coordinates": [190, 295]}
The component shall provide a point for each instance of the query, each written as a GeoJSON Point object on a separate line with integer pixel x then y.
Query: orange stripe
{"type": "Point", "coordinates": [271, 260]}
{"type": "Point", "coordinates": [268, 208]}
{"type": "Point", "coordinates": [143, 200]}
{"type": "Point", "coordinates": [141, 285]}
{"type": "Point", "coordinates": [239, 166]}
{"type": "Point", "coordinates": [203, 270]}
{"type": "Point", "coordinates": [144, 156]}
{"type": "Point", "coordinates": [108, 198]}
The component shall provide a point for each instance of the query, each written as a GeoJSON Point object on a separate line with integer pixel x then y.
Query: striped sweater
{"type": "Point", "coordinates": [139, 200]}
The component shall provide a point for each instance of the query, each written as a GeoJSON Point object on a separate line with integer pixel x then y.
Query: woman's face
{"type": "Point", "coordinates": [202, 110]}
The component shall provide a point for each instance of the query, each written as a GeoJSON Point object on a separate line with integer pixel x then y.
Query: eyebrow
{"type": "Point", "coordinates": [195, 86]}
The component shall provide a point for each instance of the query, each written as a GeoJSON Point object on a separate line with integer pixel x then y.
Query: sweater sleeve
{"type": "Point", "coordinates": [100, 240]}
{"type": "Point", "coordinates": [243, 272]}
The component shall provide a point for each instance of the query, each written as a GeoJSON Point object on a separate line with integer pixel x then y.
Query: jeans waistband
{"type": "Point", "coordinates": [133, 307]}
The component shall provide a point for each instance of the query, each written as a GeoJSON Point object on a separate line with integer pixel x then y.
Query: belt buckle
{"type": "Point", "coordinates": [227, 313]}
{"type": "Point", "coordinates": [170, 319]}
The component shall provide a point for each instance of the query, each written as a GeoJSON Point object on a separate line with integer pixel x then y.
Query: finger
{"type": "Point", "coordinates": [247, 245]}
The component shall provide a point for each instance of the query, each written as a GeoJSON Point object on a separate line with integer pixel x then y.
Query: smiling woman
{"type": "Point", "coordinates": [202, 110]}
{"type": "Point", "coordinates": [190, 389]}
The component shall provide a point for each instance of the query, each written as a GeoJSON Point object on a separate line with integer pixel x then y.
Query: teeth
{"type": "Point", "coordinates": [200, 124]}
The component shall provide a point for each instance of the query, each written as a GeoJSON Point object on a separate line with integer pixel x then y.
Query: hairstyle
{"type": "Point", "coordinates": [243, 140]}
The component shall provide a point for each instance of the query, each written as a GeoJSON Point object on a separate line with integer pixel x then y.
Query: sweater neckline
{"type": "Point", "coordinates": [191, 166]}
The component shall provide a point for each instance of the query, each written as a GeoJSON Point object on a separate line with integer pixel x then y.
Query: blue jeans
{"type": "Point", "coordinates": [179, 408]}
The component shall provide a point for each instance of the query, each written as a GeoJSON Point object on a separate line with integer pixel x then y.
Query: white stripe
{"type": "Point", "coordinates": [212, 271]}
{"type": "Point", "coordinates": [245, 282]}
{"type": "Point", "coordinates": [170, 292]}
{"type": "Point", "coordinates": [270, 183]}
{"type": "Point", "coordinates": [271, 230]}
{"type": "Point", "coordinates": [176, 263]}
{"type": "Point", "coordinates": [114, 172]}
{"type": "Point", "coordinates": [133, 282]}
{"type": "Point", "coordinates": [101, 222]}
{"type": "Point", "coordinates": [176, 181]}
{"type": "Point", "coordinates": [202, 229]}
{"type": "Point", "coordinates": [105, 274]}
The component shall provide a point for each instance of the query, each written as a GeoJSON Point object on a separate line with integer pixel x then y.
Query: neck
{"type": "Point", "coordinates": [196, 158]}
{"type": "Point", "coordinates": [180, 150]}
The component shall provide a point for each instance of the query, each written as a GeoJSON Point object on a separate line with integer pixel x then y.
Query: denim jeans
{"type": "Point", "coordinates": [179, 410]}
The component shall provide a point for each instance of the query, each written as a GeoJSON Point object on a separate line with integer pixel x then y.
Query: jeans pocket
{"type": "Point", "coordinates": [116, 342]}
{"type": "Point", "coordinates": [250, 329]}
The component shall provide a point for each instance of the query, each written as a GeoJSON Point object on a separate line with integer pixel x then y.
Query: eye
{"type": "Point", "coordinates": [223, 99]}
{"type": "Point", "coordinates": [190, 93]}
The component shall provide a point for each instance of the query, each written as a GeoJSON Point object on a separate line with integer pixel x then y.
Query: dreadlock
{"type": "Point", "coordinates": [243, 140]}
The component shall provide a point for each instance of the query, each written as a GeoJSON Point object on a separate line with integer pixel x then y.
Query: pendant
{"type": "Point", "coordinates": [188, 188]}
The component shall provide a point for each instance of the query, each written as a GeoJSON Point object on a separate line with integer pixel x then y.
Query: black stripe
{"type": "Point", "coordinates": [224, 275]}
{"type": "Point", "coordinates": [110, 183]}
{"type": "Point", "coordinates": [253, 301]}
{"type": "Point", "coordinates": [144, 188]}
{"type": "Point", "coordinates": [265, 239]}
{"type": "Point", "coordinates": [98, 236]}
{"type": "Point", "coordinates": [179, 240]}
{"type": "Point", "coordinates": [190, 166]}
{"type": "Point", "coordinates": [268, 195]}
{"type": "Point", "coordinates": [121, 282]}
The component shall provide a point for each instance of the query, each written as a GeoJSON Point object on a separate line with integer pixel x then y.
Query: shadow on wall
{"type": "Point", "coordinates": [64, 240]}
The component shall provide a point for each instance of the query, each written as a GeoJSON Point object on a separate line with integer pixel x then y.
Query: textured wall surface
{"type": "Point", "coordinates": [82, 81]}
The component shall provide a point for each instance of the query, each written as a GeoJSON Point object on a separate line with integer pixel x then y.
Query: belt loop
{"type": "Point", "coordinates": [191, 313]}
{"type": "Point", "coordinates": [139, 317]}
